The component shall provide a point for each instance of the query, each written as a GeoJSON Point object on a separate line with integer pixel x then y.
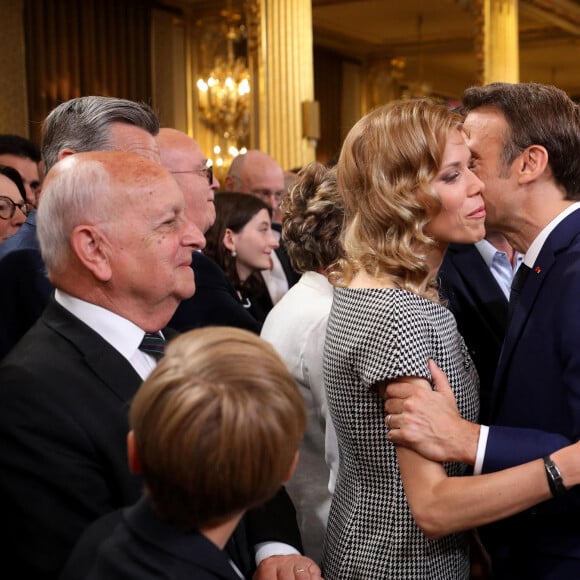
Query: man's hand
{"type": "Point", "coordinates": [428, 421]}
{"type": "Point", "coordinates": [290, 567]}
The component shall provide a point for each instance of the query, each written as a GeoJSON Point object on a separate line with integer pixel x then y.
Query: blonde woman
{"type": "Point", "coordinates": [408, 190]}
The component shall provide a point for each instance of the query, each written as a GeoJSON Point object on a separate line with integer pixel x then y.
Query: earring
{"type": "Point", "coordinates": [234, 253]}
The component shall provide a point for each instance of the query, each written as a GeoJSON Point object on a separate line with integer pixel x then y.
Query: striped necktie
{"type": "Point", "coordinates": [153, 344]}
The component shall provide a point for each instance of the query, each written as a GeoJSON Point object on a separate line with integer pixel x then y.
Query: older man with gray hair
{"type": "Point", "coordinates": [117, 247]}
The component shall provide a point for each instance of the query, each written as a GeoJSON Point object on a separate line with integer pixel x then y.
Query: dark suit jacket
{"type": "Point", "coordinates": [481, 310]}
{"type": "Point", "coordinates": [142, 546]}
{"type": "Point", "coordinates": [64, 397]}
{"type": "Point", "coordinates": [536, 407]}
{"type": "Point", "coordinates": [215, 302]}
{"type": "Point", "coordinates": [24, 293]}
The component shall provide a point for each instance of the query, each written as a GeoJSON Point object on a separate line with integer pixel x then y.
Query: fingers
{"type": "Point", "coordinates": [438, 376]}
{"type": "Point", "coordinates": [290, 567]}
{"type": "Point", "coordinates": [441, 384]}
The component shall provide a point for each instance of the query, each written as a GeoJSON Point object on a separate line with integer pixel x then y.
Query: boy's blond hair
{"type": "Point", "coordinates": [216, 426]}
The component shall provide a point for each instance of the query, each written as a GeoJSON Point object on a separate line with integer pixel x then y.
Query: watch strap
{"type": "Point", "coordinates": [554, 477]}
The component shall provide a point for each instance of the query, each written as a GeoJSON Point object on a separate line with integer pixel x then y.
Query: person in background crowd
{"type": "Point", "coordinates": [84, 124]}
{"type": "Point", "coordinates": [258, 174]}
{"type": "Point", "coordinates": [242, 243]}
{"type": "Point", "coordinates": [215, 301]}
{"type": "Point", "coordinates": [24, 156]}
{"type": "Point", "coordinates": [296, 327]}
{"type": "Point", "coordinates": [13, 205]}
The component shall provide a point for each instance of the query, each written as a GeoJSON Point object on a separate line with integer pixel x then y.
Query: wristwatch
{"type": "Point", "coordinates": [554, 477]}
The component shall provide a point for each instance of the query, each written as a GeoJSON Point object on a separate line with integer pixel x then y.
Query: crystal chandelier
{"type": "Point", "coordinates": [224, 95]}
{"type": "Point", "coordinates": [224, 99]}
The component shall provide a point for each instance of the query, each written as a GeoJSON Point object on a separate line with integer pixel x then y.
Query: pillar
{"type": "Point", "coordinates": [13, 95]}
{"type": "Point", "coordinates": [498, 41]}
{"type": "Point", "coordinates": [284, 74]}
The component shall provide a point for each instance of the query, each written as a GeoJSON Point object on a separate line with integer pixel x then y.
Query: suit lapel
{"type": "Point", "coordinates": [482, 285]}
{"type": "Point", "coordinates": [107, 363]}
{"type": "Point", "coordinates": [560, 239]}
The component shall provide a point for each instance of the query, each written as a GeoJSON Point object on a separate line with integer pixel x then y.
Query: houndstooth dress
{"type": "Point", "coordinates": [375, 334]}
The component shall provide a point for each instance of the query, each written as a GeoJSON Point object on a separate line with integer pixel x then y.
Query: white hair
{"type": "Point", "coordinates": [75, 192]}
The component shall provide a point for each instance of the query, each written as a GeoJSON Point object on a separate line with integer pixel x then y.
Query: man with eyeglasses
{"type": "Point", "coordinates": [215, 302]}
{"type": "Point", "coordinates": [256, 173]}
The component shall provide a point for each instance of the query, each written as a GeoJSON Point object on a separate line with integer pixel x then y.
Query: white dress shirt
{"type": "Point", "coordinates": [122, 334]}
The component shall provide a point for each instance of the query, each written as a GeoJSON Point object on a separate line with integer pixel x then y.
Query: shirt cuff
{"type": "Point", "coordinates": [266, 549]}
{"type": "Point", "coordinates": [481, 447]}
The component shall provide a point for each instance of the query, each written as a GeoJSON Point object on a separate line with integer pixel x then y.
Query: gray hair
{"type": "Point", "coordinates": [71, 197]}
{"type": "Point", "coordinates": [82, 124]}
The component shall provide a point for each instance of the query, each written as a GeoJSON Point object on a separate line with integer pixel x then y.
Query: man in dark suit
{"type": "Point", "coordinates": [199, 479]}
{"type": "Point", "coordinates": [525, 141]}
{"type": "Point", "coordinates": [475, 281]}
{"type": "Point", "coordinates": [215, 302]}
{"type": "Point", "coordinates": [64, 390]}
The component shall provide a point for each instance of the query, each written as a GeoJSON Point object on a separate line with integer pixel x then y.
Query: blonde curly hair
{"type": "Point", "coordinates": [387, 158]}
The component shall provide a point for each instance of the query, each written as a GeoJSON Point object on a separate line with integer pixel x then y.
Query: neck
{"type": "Point", "coordinates": [538, 208]}
{"type": "Point", "coordinates": [219, 535]}
{"type": "Point", "coordinates": [499, 242]}
{"type": "Point", "coordinates": [243, 272]}
{"type": "Point", "coordinates": [435, 258]}
{"type": "Point", "coordinates": [149, 318]}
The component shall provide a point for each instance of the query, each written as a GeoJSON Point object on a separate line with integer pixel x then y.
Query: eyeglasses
{"type": "Point", "coordinates": [8, 207]}
{"type": "Point", "coordinates": [207, 171]}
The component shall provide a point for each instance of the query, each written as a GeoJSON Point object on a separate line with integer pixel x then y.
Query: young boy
{"type": "Point", "coordinates": [215, 431]}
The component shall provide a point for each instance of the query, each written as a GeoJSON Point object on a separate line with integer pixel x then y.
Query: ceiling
{"type": "Point", "coordinates": [434, 40]}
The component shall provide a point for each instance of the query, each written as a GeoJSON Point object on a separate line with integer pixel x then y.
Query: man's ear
{"type": "Point", "coordinates": [90, 247]}
{"type": "Point", "coordinates": [292, 467]}
{"type": "Point", "coordinates": [229, 183]}
{"type": "Point", "coordinates": [229, 240]}
{"type": "Point", "coordinates": [532, 163]}
{"type": "Point", "coordinates": [65, 153]}
{"type": "Point", "coordinates": [133, 455]}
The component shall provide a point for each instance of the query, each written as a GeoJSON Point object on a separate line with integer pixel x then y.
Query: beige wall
{"type": "Point", "coordinates": [13, 99]}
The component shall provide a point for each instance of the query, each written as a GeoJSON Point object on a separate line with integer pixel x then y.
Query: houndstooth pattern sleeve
{"type": "Point", "coordinates": [377, 334]}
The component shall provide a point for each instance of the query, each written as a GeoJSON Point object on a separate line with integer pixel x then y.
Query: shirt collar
{"type": "Point", "coordinates": [487, 251]}
{"type": "Point", "coordinates": [120, 333]}
{"type": "Point", "coordinates": [535, 248]}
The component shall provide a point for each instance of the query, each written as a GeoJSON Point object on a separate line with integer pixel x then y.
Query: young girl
{"type": "Point", "coordinates": [241, 241]}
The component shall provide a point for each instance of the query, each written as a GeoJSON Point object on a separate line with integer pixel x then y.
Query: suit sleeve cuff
{"type": "Point", "coordinates": [481, 447]}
